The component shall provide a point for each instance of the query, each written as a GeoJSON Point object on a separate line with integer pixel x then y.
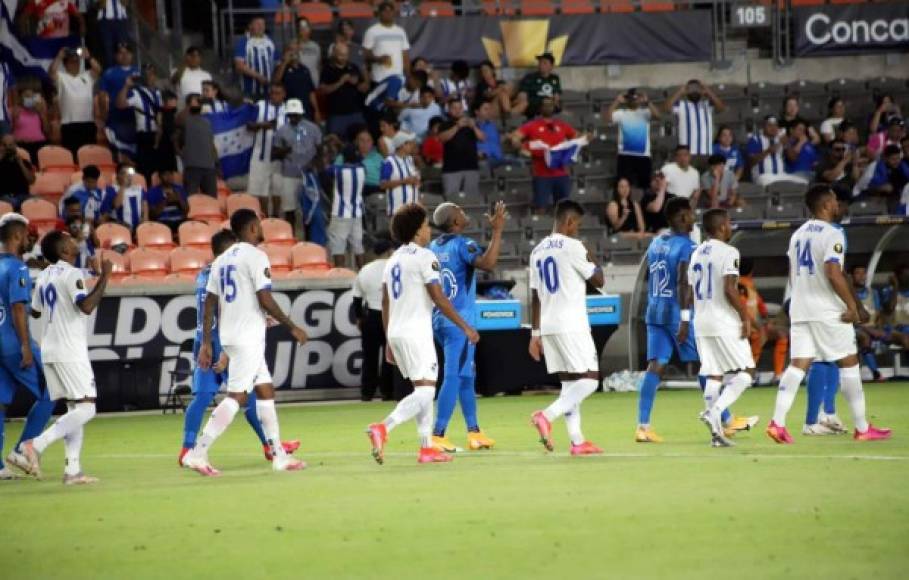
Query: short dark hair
{"type": "Point", "coordinates": [73, 219]}
{"type": "Point", "coordinates": [50, 245]}
{"type": "Point", "coordinates": [460, 67]}
{"type": "Point", "coordinates": [123, 165]}
{"type": "Point", "coordinates": [241, 219]}
{"type": "Point", "coordinates": [815, 196]}
{"type": "Point", "coordinates": [892, 150]}
{"type": "Point", "coordinates": [392, 119]}
{"type": "Point", "coordinates": [716, 159]}
{"type": "Point", "coordinates": [385, 4]}
{"type": "Point", "coordinates": [193, 50]}
{"type": "Point", "coordinates": [91, 172]}
{"type": "Point", "coordinates": [681, 147]}
{"type": "Point", "coordinates": [407, 221]}
{"type": "Point", "coordinates": [6, 232]}
{"type": "Point", "coordinates": [427, 89]}
{"type": "Point", "coordinates": [421, 77]}
{"type": "Point", "coordinates": [858, 266]}
{"type": "Point", "coordinates": [222, 240]}
{"type": "Point", "coordinates": [675, 206]}
{"type": "Point", "coordinates": [713, 219]}
{"type": "Point", "coordinates": [568, 207]}
{"type": "Point", "coordinates": [71, 200]}
{"type": "Point", "coordinates": [192, 96]}
{"type": "Point", "coordinates": [437, 120]}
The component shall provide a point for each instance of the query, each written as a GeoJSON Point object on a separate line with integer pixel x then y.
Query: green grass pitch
{"type": "Point", "coordinates": [824, 507]}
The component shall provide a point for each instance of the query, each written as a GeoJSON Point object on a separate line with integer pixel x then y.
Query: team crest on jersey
{"type": "Point", "coordinates": [22, 282]}
{"type": "Point", "coordinates": [838, 248]}
{"type": "Point", "coordinates": [472, 249]}
{"type": "Point", "coordinates": [268, 273]}
{"type": "Point", "coordinates": [80, 284]}
{"type": "Point", "coordinates": [435, 266]}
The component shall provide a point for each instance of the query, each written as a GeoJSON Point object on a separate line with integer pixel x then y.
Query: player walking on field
{"type": "Point", "coordinates": [411, 285]}
{"type": "Point", "coordinates": [560, 268]}
{"type": "Point", "coordinates": [823, 310]}
{"type": "Point", "coordinates": [721, 322]}
{"type": "Point", "coordinates": [61, 297]}
{"type": "Point", "coordinates": [240, 289]}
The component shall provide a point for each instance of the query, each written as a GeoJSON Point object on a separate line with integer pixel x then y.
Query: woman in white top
{"type": "Point", "coordinates": [75, 95]}
{"type": "Point", "coordinates": [836, 113]}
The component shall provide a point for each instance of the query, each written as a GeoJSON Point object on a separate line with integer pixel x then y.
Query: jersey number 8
{"type": "Point", "coordinates": [549, 274]}
{"type": "Point", "coordinates": [228, 283]}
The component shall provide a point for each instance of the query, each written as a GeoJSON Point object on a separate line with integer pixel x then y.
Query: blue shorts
{"type": "Point", "coordinates": [459, 353]}
{"type": "Point", "coordinates": [548, 191]}
{"type": "Point", "coordinates": [207, 381]}
{"type": "Point", "coordinates": [11, 376]}
{"type": "Point", "coordinates": [661, 342]}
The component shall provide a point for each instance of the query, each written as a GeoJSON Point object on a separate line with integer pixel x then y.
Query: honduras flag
{"type": "Point", "coordinates": [563, 154]}
{"type": "Point", "coordinates": [233, 141]}
{"type": "Point", "coordinates": [31, 56]}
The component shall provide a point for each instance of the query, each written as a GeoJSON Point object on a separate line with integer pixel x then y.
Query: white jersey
{"type": "Point", "coordinates": [407, 273]}
{"type": "Point", "coordinates": [236, 276]}
{"type": "Point", "coordinates": [57, 294]}
{"type": "Point", "coordinates": [559, 270]}
{"type": "Point", "coordinates": [710, 263]}
{"type": "Point", "coordinates": [810, 248]}
{"type": "Point", "coordinates": [368, 284]}
{"type": "Point", "coordinates": [695, 125]}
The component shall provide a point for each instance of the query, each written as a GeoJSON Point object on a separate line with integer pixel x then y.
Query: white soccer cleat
{"type": "Point", "coordinates": [7, 474]}
{"type": "Point", "coordinates": [818, 429]}
{"type": "Point", "coordinates": [19, 461]}
{"type": "Point", "coordinates": [288, 463]}
{"type": "Point", "coordinates": [200, 465]}
{"type": "Point", "coordinates": [715, 426]}
{"type": "Point", "coordinates": [79, 479]}
{"type": "Point", "coordinates": [833, 423]}
{"type": "Point", "coordinates": [32, 459]}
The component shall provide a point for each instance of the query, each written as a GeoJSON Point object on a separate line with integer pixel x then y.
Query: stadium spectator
{"type": "Point", "coordinates": [896, 307]}
{"type": "Point", "coordinates": [389, 128]}
{"type": "Point", "coordinates": [212, 101]}
{"type": "Point", "coordinates": [550, 185]}
{"type": "Point", "coordinates": [113, 26]}
{"type": "Point", "coordinates": [891, 135]}
{"type": "Point", "coordinates": [725, 146]}
{"type": "Point", "coordinates": [460, 161]}
{"type": "Point", "coordinates": [839, 169]}
{"type": "Point", "coordinates": [264, 177]}
{"type": "Point", "coordinates": [489, 88]}
{"type": "Point", "coordinates": [121, 123]}
{"type": "Point", "coordinates": [141, 96]}
{"type": "Point", "coordinates": [83, 232]}
{"type": "Point", "coordinates": [16, 174]}
{"type": "Point", "coordinates": [130, 205]}
{"type": "Point", "coordinates": [395, 93]}
{"type": "Point", "coordinates": [432, 149]}
{"type": "Point", "coordinates": [885, 108]}
{"type": "Point", "coordinates": [490, 149]}
{"type": "Point", "coordinates": [790, 117]}
{"type": "Point", "coordinates": [538, 86]}
{"type": "Point", "coordinates": [765, 153]}
{"type": "Point", "coordinates": [51, 18]}
{"type": "Point", "coordinates": [95, 204]}
{"type": "Point", "coordinates": [343, 85]}
{"type": "Point", "coordinates": [188, 78]}
{"type": "Point", "coordinates": [369, 157]}
{"type": "Point", "coordinates": [416, 119]}
{"type": "Point", "coordinates": [30, 121]}
{"type": "Point", "coordinates": [167, 201]}
{"type": "Point", "coordinates": [400, 178]}
{"type": "Point", "coordinates": [694, 104]}
{"type": "Point", "coordinates": [654, 203]}
{"type": "Point", "coordinates": [848, 132]}
{"type": "Point", "coordinates": [886, 177]}
{"type": "Point", "coordinates": [6, 81]}
{"type": "Point", "coordinates": [296, 145]}
{"type": "Point", "coordinates": [196, 147]}
{"type": "Point", "coordinates": [298, 81]}
{"type": "Point", "coordinates": [165, 151]}
{"type": "Point", "coordinates": [801, 154]}
{"type": "Point", "coordinates": [682, 180]}
{"type": "Point", "coordinates": [457, 84]}
{"type": "Point", "coordinates": [836, 114]}
{"type": "Point", "coordinates": [75, 96]}
{"type": "Point", "coordinates": [719, 184]}
{"type": "Point", "coordinates": [254, 59]}
{"type": "Point", "coordinates": [309, 53]}
{"type": "Point", "coordinates": [632, 112]}
{"type": "Point", "coordinates": [345, 230]}
{"type": "Point", "coordinates": [386, 46]}
{"type": "Point", "coordinates": [367, 298]}
{"type": "Point", "coordinates": [867, 333]}
{"type": "Point", "coordinates": [764, 329]}
{"type": "Point", "coordinates": [623, 215]}
{"type": "Point", "coordinates": [344, 36]}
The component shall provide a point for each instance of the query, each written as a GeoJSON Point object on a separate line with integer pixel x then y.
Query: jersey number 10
{"type": "Point", "coordinates": [549, 274]}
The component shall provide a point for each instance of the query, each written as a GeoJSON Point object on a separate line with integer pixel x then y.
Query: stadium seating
{"type": "Point", "coordinates": [193, 234]}
{"type": "Point", "coordinates": [120, 264]}
{"type": "Point", "coordinates": [156, 181]}
{"type": "Point", "coordinates": [278, 232]}
{"type": "Point", "coordinates": [577, 7]}
{"type": "Point", "coordinates": [103, 181]}
{"type": "Point", "coordinates": [96, 155]}
{"type": "Point", "coordinates": [243, 200]}
{"type": "Point", "coordinates": [50, 185]}
{"type": "Point", "coordinates": [341, 273]}
{"type": "Point", "coordinates": [280, 258]}
{"type": "Point", "coordinates": [148, 263]}
{"type": "Point", "coordinates": [355, 10]}
{"type": "Point", "coordinates": [179, 278]}
{"type": "Point", "coordinates": [5, 208]}
{"type": "Point", "coordinates": [111, 234]}
{"type": "Point", "coordinates": [616, 6]}
{"type": "Point", "coordinates": [656, 6]}
{"type": "Point", "coordinates": [205, 208]}
{"type": "Point", "coordinates": [40, 213]}
{"type": "Point", "coordinates": [309, 256]}
{"type": "Point", "coordinates": [187, 261]}
{"type": "Point", "coordinates": [56, 159]}
{"type": "Point", "coordinates": [154, 235]}
{"type": "Point", "coordinates": [537, 8]}
{"type": "Point", "coordinates": [318, 13]}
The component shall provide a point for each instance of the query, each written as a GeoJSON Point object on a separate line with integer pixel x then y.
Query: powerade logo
{"type": "Point", "coordinates": [594, 310]}
{"type": "Point", "coordinates": [497, 314]}
{"type": "Point", "coordinates": [821, 29]}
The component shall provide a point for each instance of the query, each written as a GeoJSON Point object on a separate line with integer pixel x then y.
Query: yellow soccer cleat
{"type": "Point", "coordinates": [443, 445]}
{"type": "Point", "coordinates": [743, 423]}
{"type": "Point", "coordinates": [646, 435]}
{"type": "Point", "coordinates": [478, 440]}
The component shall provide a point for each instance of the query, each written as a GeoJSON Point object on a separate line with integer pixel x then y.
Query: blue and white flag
{"type": "Point", "coordinates": [233, 141]}
{"type": "Point", "coordinates": [30, 56]}
{"type": "Point", "coordinates": [563, 154]}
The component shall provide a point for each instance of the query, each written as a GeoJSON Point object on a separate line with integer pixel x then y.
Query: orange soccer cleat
{"type": "Point", "coordinates": [378, 436]}
{"type": "Point", "coordinates": [544, 428]}
{"type": "Point", "coordinates": [779, 434]}
{"type": "Point", "coordinates": [431, 455]}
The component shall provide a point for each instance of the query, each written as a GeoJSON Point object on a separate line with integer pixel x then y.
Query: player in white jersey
{"type": "Point", "coordinates": [823, 310]}
{"type": "Point", "coordinates": [239, 287]}
{"type": "Point", "coordinates": [411, 287]}
{"type": "Point", "coordinates": [721, 322]}
{"type": "Point", "coordinates": [560, 267]}
{"type": "Point", "coordinates": [61, 298]}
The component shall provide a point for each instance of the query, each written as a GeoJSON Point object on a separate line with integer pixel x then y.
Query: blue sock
{"type": "Point", "coordinates": [817, 379]}
{"type": "Point", "coordinates": [831, 387]}
{"type": "Point", "coordinates": [252, 417]}
{"type": "Point", "coordinates": [192, 418]}
{"type": "Point", "coordinates": [468, 397]}
{"type": "Point", "coordinates": [646, 394]}
{"type": "Point", "coordinates": [870, 361]}
{"type": "Point", "coordinates": [448, 398]}
{"type": "Point", "coordinates": [2, 431]}
{"type": "Point", "coordinates": [37, 418]}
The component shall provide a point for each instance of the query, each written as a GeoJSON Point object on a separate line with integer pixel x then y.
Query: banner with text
{"type": "Point", "coordinates": [851, 29]}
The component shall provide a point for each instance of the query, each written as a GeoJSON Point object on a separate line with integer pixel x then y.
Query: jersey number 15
{"type": "Point", "coordinates": [228, 283]}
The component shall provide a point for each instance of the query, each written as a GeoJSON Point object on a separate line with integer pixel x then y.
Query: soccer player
{"type": "Point", "coordinates": [459, 258]}
{"type": "Point", "coordinates": [869, 299]}
{"type": "Point", "coordinates": [823, 310]}
{"type": "Point", "coordinates": [411, 286]}
{"type": "Point", "coordinates": [560, 268]}
{"type": "Point", "coordinates": [239, 289]}
{"type": "Point", "coordinates": [60, 295]}
{"type": "Point", "coordinates": [722, 323]}
{"type": "Point", "coordinates": [207, 382]}
{"type": "Point", "coordinates": [20, 359]}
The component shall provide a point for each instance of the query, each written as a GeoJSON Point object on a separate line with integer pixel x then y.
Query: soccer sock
{"type": "Point", "coordinates": [37, 419]}
{"type": "Point", "coordinates": [780, 349]}
{"type": "Point", "coordinates": [409, 406]}
{"type": "Point", "coordinates": [711, 393]}
{"type": "Point", "coordinates": [265, 409]}
{"type": "Point", "coordinates": [424, 423]}
{"type": "Point", "coordinates": [573, 424]}
{"type": "Point", "coordinates": [192, 417]}
{"type": "Point", "coordinates": [78, 415]}
{"type": "Point", "coordinates": [72, 445]}
{"type": "Point", "coordinates": [870, 361]}
{"type": "Point", "coordinates": [817, 376]}
{"type": "Point", "coordinates": [831, 387]}
{"type": "Point", "coordinates": [2, 431]}
{"type": "Point", "coordinates": [785, 396]}
{"type": "Point", "coordinates": [220, 420]}
{"type": "Point", "coordinates": [448, 397]}
{"type": "Point", "coordinates": [854, 395]}
{"type": "Point", "coordinates": [646, 394]}
{"type": "Point", "coordinates": [252, 417]}
{"type": "Point", "coordinates": [732, 392]}
{"type": "Point", "coordinates": [468, 398]}
{"type": "Point", "coordinates": [573, 393]}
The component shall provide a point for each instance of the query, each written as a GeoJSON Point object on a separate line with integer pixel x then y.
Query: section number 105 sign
{"type": "Point", "coordinates": [748, 16]}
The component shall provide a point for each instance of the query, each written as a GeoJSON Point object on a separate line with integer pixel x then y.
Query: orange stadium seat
{"type": "Point", "coordinates": [205, 208]}
{"type": "Point", "coordinates": [50, 186]}
{"type": "Point", "coordinates": [577, 7]}
{"type": "Point", "coordinates": [187, 261]}
{"type": "Point", "coordinates": [617, 6]}
{"type": "Point", "coordinates": [96, 155]}
{"type": "Point", "coordinates": [180, 278]}
{"type": "Point", "coordinates": [278, 232]}
{"type": "Point", "coordinates": [119, 261]}
{"type": "Point", "coordinates": [356, 10]}
{"type": "Point", "coordinates": [341, 273]}
{"type": "Point", "coordinates": [111, 234]}
{"type": "Point", "coordinates": [148, 262]}
{"type": "Point", "coordinates": [498, 8]}
{"type": "Point", "coordinates": [434, 9]}
{"type": "Point", "coordinates": [809, 2]}
{"type": "Point", "coordinates": [657, 6]}
{"type": "Point", "coordinates": [40, 213]}
{"type": "Point", "coordinates": [309, 256]}
{"type": "Point", "coordinates": [279, 257]}
{"type": "Point", "coordinates": [194, 234]}
{"type": "Point", "coordinates": [154, 235]}
{"type": "Point", "coordinates": [318, 13]}
{"type": "Point", "coordinates": [537, 8]}
{"type": "Point", "coordinates": [243, 200]}
{"type": "Point", "coordinates": [5, 208]}
{"type": "Point", "coordinates": [57, 159]}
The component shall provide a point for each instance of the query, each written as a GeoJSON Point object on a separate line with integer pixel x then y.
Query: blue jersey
{"type": "Point", "coordinates": [664, 255]}
{"type": "Point", "coordinates": [201, 294]}
{"type": "Point", "coordinates": [15, 287]}
{"type": "Point", "coordinates": [457, 255]}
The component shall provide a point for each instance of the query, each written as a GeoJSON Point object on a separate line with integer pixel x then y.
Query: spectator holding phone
{"type": "Point", "coordinates": [632, 112]}
{"type": "Point", "coordinates": [75, 96]}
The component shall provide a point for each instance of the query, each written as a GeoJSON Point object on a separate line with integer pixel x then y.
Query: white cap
{"type": "Point", "coordinates": [13, 217]}
{"type": "Point", "coordinates": [293, 107]}
{"type": "Point", "coordinates": [400, 138]}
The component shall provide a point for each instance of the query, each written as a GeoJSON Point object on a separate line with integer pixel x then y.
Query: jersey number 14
{"type": "Point", "coordinates": [803, 256]}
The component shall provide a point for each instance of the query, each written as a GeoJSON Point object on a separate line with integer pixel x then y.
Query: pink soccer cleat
{"type": "Point", "coordinates": [430, 455]}
{"type": "Point", "coordinates": [378, 436]}
{"type": "Point", "coordinates": [585, 448]}
{"type": "Point", "coordinates": [544, 428]}
{"type": "Point", "coordinates": [289, 448]}
{"type": "Point", "coordinates": [779, 434]}
{"type": "Point", "coordinates": [200, 466]}
{"type": "Point", "coordinates": [872, 434]}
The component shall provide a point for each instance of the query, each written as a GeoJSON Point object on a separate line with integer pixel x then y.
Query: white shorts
{"type": "Point", "coordinates": [416, 358]}
{"type": "Point", "coordinates": [571, 352]}
{"type": "Point", "coordinates": [823, 341]}
{"type": "Point", "coordinates": [290, 186]}
{"type": "Point", "coordinates": [723, 354]}
{"type": "Point", "coordinates": [264, 179]}
{"type": "Point", "coordinates": [70, 380]}
{"type": "Point", "coordinates": [343, 232]}
{"type": "Point", "coordinates": [247, 367]}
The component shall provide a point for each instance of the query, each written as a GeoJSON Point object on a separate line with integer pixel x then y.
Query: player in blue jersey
{"type": "Point", "coordinates": [20, 359]}
{"type": "Point", "coordinates": [460, 258]}
{"type": "Point", "coordinates": [207, 382]}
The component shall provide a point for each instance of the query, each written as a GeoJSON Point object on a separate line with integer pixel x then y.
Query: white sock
{"type": "Point", "coordinates": [573, 394]}
{"type": "Point", "coordinates": [268, 416]}
{"type": "Point", "coordinates": [409, 406]}
{"type": "Point", "coordinates": [731, 393]}
{"type": "Point", "coordinates": [851, 387]}
{"type": "Point", "coordinates": [78, 415]}
{"type": "Point", "coordinates": [72, 444]}
{"type": "Point", "coordinates": [220, 420]}
{"type": "Point", "coordinates": [785, 396]}
{"type": "Point", "coordinates": [712, 392]}
{"type": "Point", "coordinates": [424, 423]}
{"type": "Point", "coordinates": [573, 424]}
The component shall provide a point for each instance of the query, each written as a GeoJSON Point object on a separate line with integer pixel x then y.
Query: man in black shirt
{"type": "Point", "coordinates": [344, 87]}
{"type": "Point", "coordinates": [654, 202]}
{"type": "Point", "coordinates": [298, 81]}
{"type": "Point", "coordinates": [839, 170]}
{"type": "Point", "coordinates": [16, 174]}
{"type": "Point", "coordinates": [460, 163]}
{"type": "Point", "coordinates": [537, 86]}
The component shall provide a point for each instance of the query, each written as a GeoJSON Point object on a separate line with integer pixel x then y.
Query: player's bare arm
{"type": "Point", "coordinates": [536, 343]}
{"type": "Point", "coordinates": [268, 304]}
{"type": "Point", "coordinates": [389, 355]}
{"type": "Point", "coordinates": [731, 291]}
{"type": "Point", "coordinates": [208, 321]}
{"type": "Point", "coordinates": [487, 262]}
{"type": "Point", "coordinates": [20, 323]}
{"type": "Point", "coordinates": [444, 305]}
{"type": "Point", "coordinates": [684, 294]}
{"type": "Point", "coordinates": [841, 286]}
{"type": "Point", "coordinates": [88, 304]}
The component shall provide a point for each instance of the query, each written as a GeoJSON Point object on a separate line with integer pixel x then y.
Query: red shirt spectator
{"type": "Point", "coordinates": [550, 131]}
